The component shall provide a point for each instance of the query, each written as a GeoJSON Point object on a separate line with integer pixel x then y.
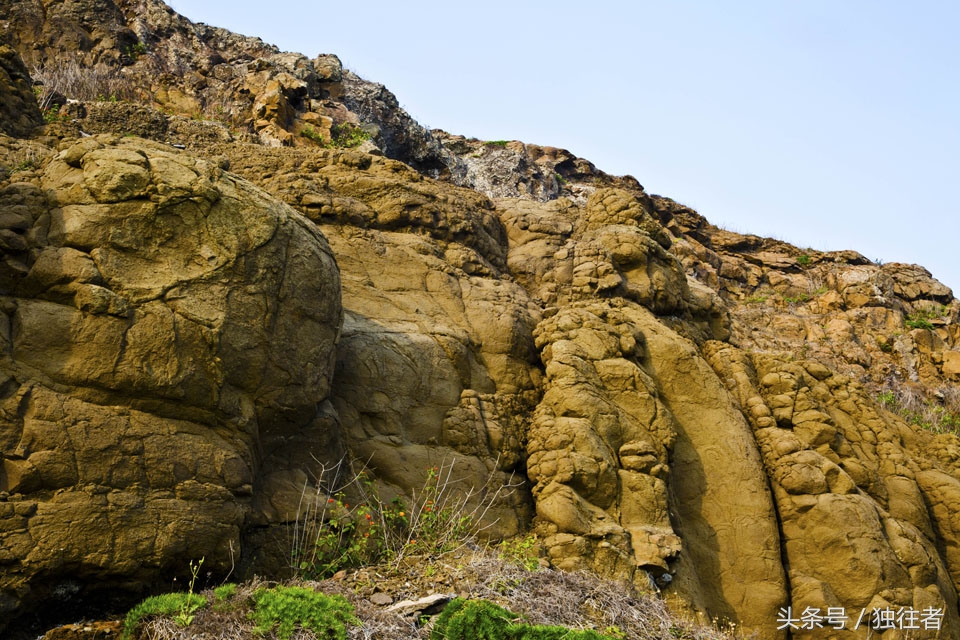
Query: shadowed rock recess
{"type": "Point", "coordinates": [225, 268]}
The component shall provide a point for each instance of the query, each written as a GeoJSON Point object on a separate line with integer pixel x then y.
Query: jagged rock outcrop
{"type": "Point", "coordinates": [886, 323]}
{"type": "Point", "coordinates": [672, 403]}
{"type": "Point", "coordinates": [19, 112]}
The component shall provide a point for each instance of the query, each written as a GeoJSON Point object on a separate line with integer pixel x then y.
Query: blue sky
{"type": "Point", "coordinates": [828, 124]}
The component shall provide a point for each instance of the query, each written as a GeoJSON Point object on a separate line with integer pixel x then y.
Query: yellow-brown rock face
{"type": "Point", "coordinates": [752, 429]}
{"type": "Point", "coordinates": [166, 321]}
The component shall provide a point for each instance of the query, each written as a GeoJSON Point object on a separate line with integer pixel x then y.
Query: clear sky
{"type": "Point", "coordinates": [831, 124]}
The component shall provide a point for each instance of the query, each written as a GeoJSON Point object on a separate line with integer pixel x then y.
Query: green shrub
{"type": "Point", "coordinates": [888, 399]}
{"type": "Point", "coordinates": [939, 416]}
{"type": "Point", "coordinates": [224, 591]}
{"type": "Point", "coordinates": [169, 604]}
{"type": "Point", "coordinates": [521, 550]}
{"type": "Point", "coordinates": [347, 136]}
{"type": "Point", "coordinates": [332, 535]}
{"type": "Point", "coordinates": [342, 136]}
{"type": "Point", "coordinates": [340, 536]}
{"type": "Point", "coordinates": [484, 620]}
{"type": "Point", "coordinates": [310, 133]}
{"type": "Point", "coordinates": [920, 319]}
{"type": "Point", "coordinates": [473, 620]}
{"type": "Point", "coordinates": [25, 165]}
{"type": "Point", "coordinates": [803, 259]}
{"type": "Point", "coordinates": [287, 607]}
{"type": "Point", "coordinates": [52, 114]}
{"type": "Point", "coordinates": [136, 50]}
{"type": "Point", "coordinates": [917, 321]}
{"type": "Point", "coordinates": [497, 143]}
{"type": "Point", "coordinates": [180, 606]}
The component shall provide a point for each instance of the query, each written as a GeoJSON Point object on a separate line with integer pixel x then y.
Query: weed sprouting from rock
{"type": "Point", "coordinates": [331, 535]}
{"type": "Point", "coordinates": [940, 413]}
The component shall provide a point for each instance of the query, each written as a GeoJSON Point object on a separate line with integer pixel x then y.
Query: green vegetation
{"type": "Point", "coordinates": [555, 605]}
{"type": "Point", "coordinates": [497, 143]}
{"type": "Point", "coordinates": [803, 259]}
{"type": "Point", "coordinates": [287, 607]}
{"type": "Point", "coordinates": [472, 620]}
{"type": "Point", "coordinates": [224, 592]}
{"type": "Point", "coordinates": [918, 322]}
{"type": "Point", "coordinates": [800, 298]}
{"type": "Point", "coordinates": [342, 136]}
{"type": "Point", "coordinates": [347, 136]}
{"type": "Point", "coordinates": [757, 299]}
{"type": "Point", "coordinates": [179, 606]}
{"type": "Point", "coordinates": [334, 535]}
{"type": "Point", "coordinates": [940, 415]}
{"type": "Point", "coordinates": [560, 179]}
{"type": "Point", "coordinates": [522, 550]}
{"type": "Point", "coordinates": [347, 538]}
{"type": "Point", "coordinates": [920, 319]}
{"type": "Point", "coordinates": [136, 50]}
{"type": "Point", "coordinates": [25, 165]}
{"type": "Point", "coordinates": [52, 114]}
{"type": "Point", "coordinates": [484, 620]}
{"type": "Point", "coordinates": [380, 544]}
{"type": "Point", "coordinates": [310, 133]}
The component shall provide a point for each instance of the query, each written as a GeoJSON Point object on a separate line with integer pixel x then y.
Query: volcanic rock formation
{"type": "Point", "coordinates": [209, 300]}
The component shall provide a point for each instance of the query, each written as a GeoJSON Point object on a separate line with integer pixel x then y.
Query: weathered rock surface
{"type": "Point", "coordinates": [674, 404]}
{"type": "Point", "coordinates": [860, 496]}
{"type": "Point", "coordinates": [167, 320]}
{"type": "Point", "coordinates": [19, 112]}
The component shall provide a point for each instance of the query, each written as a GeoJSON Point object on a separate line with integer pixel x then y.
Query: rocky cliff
{"type": "Point", "coordinates": [226, 268]}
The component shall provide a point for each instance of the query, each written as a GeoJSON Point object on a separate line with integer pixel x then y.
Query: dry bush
{"type": "Point", "coordinates": [445, 514]}
{"type": "Point", "coordinates": [542, 596]}
{"type": "Point", "coordinates": [937, 411]}
{"type": "Point", "coordinates": [70, 79]}
{"type": "Point", "coordinates": [581, 601]}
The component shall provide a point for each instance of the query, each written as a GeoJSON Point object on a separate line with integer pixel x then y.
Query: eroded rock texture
{"type": "Point", "coordinates": [184, 355]}
{"type": "Point", "coordinates": [861, 497]}
{"type": "Point", "coordinates": [19, 112]}
{"type": "Point", "coordinates": [165, 320]}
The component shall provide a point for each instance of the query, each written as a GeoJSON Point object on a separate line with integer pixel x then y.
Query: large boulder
{"type": "Point", "coordinates": [436, 365]}
{"type": "Point", "coordinates": [172, 326]}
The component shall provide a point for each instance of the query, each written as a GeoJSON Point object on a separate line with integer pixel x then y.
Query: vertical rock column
{"type": "Point", "coordinates": [599, 446]}
{"type": "Point", "coordinates": [855, 524]}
